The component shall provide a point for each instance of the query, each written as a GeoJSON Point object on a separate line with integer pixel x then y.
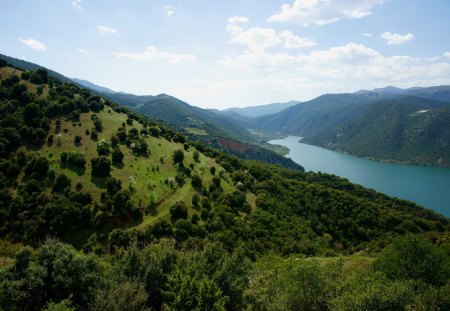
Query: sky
{"type": "Point", "coordinates": [231, 53]}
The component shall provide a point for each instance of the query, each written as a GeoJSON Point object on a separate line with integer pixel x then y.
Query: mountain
{"type": "Point", "coordinates": [103, 208]}
{"type": "Point", "coordinates": [351, 123]}
{"type": "Point", "coordinates": [261, 110]}
{"type": "Point", "coordinates": [197, 123]}
{"type": "Point", "coordinates": [202, 124]}
{"type": "Point", "coordinates": [92, 86]}
{"type": "Point", "coordinates": [31, 66]}
{"type": "Point", "coordinates": [405, 129]}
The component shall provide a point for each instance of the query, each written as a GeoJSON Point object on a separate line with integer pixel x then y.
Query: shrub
{"type": "Point", "coordinates": [178, 211]}
{"type": "Point", "coordinates": [101, 166]}
{"type": "Point", "coordinates": [61, 183]}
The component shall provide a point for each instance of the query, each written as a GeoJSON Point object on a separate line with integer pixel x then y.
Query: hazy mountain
{"type": "Point", "coordinates": [93, 86]}
{"type": "Point", "coordinates": [261, 110]}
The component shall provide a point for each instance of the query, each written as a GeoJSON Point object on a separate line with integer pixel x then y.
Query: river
{"type": "Point", "coordinates": [427, 186]}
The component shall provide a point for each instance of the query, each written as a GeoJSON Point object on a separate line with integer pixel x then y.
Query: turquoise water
{"type": "Point", "coordinates": [427, 186]}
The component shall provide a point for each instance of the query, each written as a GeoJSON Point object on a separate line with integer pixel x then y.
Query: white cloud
{"type": "Point", "coordinates": [170, 10]}
{"type": "Point", "coordinates": [77, 4]}
{"type": "Point", "coordinates": [83, 51]}
{"type": "Point", "coordinates": [395, 38]}
{"type": "Point", "coordinates": [368, 35]}
{"type": "Point", "coordinates": [34, 44]}
{"type": "Point", "coordinates": [351, 64]}
{"type": "Point", "coordinates": [447, 54]}
{"type": "Point", "coordinates": [260, 39]}
{"type": "Point", "coordinates": [292, 41]}
{"type": "Point", "coordinates": [238, 19]}
{"type": "Point", "coordinates": [322, 12]}
{"type": "Point", "coordinates": [105, 30]}
{"type": "Point", "coordinates": [152, 52]}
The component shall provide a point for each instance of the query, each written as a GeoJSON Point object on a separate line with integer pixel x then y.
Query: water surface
{"type": "Point", "coordinates": [425, 185]}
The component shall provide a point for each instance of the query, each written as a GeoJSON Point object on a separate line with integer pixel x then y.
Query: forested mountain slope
{"type": "Point", "coordinates": [386, 124]}
{"type": "Point", "coordinates": [408, 129]}
{"type": "Point", "coordinates": [160, 222]}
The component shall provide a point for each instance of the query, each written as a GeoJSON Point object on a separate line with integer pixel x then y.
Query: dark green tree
{"type": "Point", "coordinates": [178, 157]}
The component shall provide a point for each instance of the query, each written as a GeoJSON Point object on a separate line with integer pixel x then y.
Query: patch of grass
{"type": "Point", "coordinates": [196, 131]}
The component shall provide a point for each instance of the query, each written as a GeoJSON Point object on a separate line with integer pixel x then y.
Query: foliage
{"type": "Point", "coordinates": [101, 166]}
{"type": "Point", "coordinates": [178, 156]}
{"type": "Point", "coordinates": [414, 258]}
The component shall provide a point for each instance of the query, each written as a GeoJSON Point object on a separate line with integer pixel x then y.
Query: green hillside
{"type": "Point", "coordinates": [105, 209]}
{"type": "Point", "coordinates": [407, 129]}
{"type": "Point", "coordinates": [387, 118]}
{"type": "Point", "coordinates": [198, 124]}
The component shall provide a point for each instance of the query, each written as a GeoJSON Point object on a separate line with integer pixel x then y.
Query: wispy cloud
{"type": "Point", "coordinates": [77, 4]}
{"type": "Point", "coordinates": [322, 12]}
{"type": "Point", "coordinates": [260, 39]}
{"type": "Point", "coordinates": [105, 30]}
{"type": "Point", "coordinates": [34, 44]}
{"type": "Point", "coordinates": [447, 54]}
{"type": "Point", "coordinates": [350, 64]}
{"type": "Point", "coordinates": [395, 38]}
{"type": "Point", "coordinates": [83, 51]}
{"type": "Point", "coordinates": [152, 52]}
{"type": "Point", "coordinates": [368, 35]}
{"type": "Point", "coordinates": [170, 10]}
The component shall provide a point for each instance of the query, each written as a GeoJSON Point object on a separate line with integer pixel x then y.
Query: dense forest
{"type": "Point", "coordinates": [105, 209]}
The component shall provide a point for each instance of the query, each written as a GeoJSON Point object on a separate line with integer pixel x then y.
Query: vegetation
{"type": "Point", "coordinates": [405, 125]}
{"type": "Point", "coordinates": [149, 220]}
{"type": "Point", "coordinates": [407, 129]}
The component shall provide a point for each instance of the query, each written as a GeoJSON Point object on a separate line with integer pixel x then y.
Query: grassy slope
{"type": "Point", "coordinates": [147, 181]}
{"type": "Point", "coordinates": [140, 174]}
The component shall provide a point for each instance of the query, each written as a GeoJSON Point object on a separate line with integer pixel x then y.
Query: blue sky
{"type": "Point", "coordinates": [219, 54]}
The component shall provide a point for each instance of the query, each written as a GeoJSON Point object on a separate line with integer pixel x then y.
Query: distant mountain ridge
{"type": "Point", "coordinates": [261, 110]}
{"type": "Point", "coordinates": [93, 86]}
{"type": "Point", "coordinates": [351, 122]}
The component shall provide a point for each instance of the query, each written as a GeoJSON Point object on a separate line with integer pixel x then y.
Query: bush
{"type": "Point", "coordinates": [178, 211]}
{"type": "Point", "coordinates": [61, 183]}
{"type": "Point", "coordinates": [196, 182]}
{"type": "Point", "coordinates": [178, 156]}
{"type": "Point", "coordinates": [101, 166]}
{"type": "Point", "coordinates": [77, 139]}
{"type": "Point", "coordinates": [196, 156]}
{"type": "Point", "coordinates": [413, 257]}
{"type": "Point", "coordinates": [103, 147]}
{"type": "Point", "coordinates": [117, 156]}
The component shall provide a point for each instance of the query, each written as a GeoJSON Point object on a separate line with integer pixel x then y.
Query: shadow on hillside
{"type": "Point", "coordinates": [100, 182]}
{"type": "Point", "coordinates": [80, 171]}
{"type": "Point", "coordinates": [118, 165]}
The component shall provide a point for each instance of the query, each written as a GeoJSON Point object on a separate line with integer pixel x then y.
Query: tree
{"type": "Point", "coordinates": [178, 211]}
{"type": "Point", "coordinates": [178, 156]}
{"type": "Point", "coordinates": [43, 73]}
{"type": "Point", "coordinates": [101, 166]}
{"type": "Point", "coordinates": [61, 183]}
{"type": "Point", "coordinates": [103, 147]}
{"type": "Point", "coordinates": [31, 114]}
{"type": "Point", "coordinates": [196, 182]}
{"type": "Point", "coordinates": [413, 257]}
{"type": "Point", "coordinates": [117, 156]}
{"type": "Point", "coordinates": [113, 185]}
{"type": "Point", "coordinates": [77, 140]}
{"type": "Point", "coordinates": [196, 156]}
